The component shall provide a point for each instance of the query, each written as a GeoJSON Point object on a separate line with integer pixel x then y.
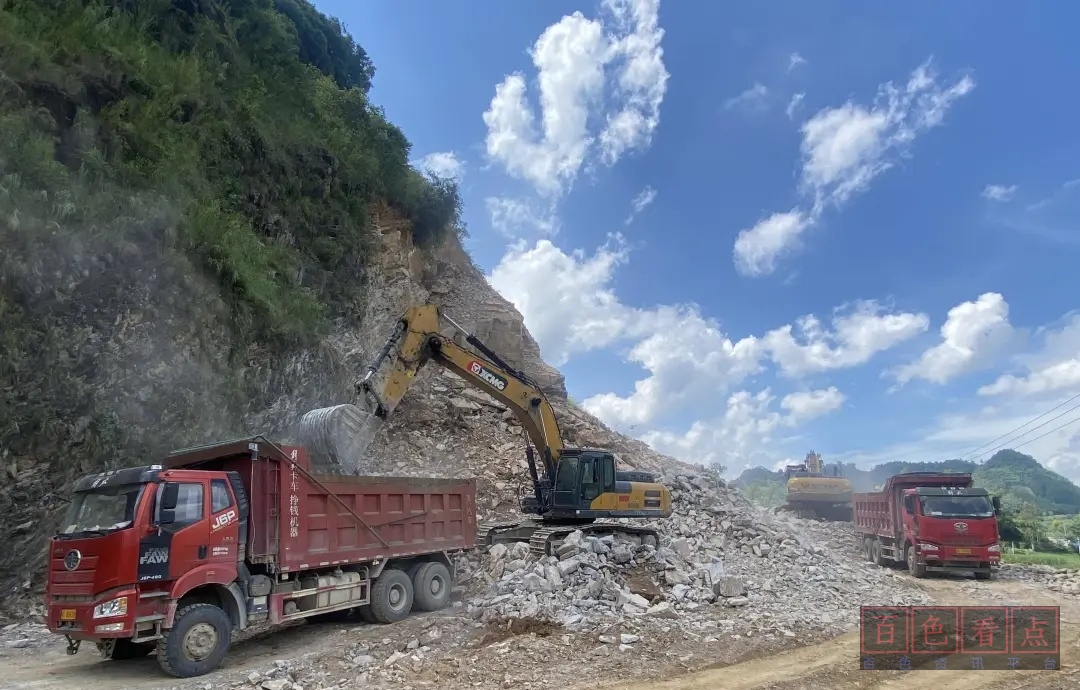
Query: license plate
{"type": "Point", "coordinates": [965, 551]}
{"type": "Point", "coordinates": [67, 614]}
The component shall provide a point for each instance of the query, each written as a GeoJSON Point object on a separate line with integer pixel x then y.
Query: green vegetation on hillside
{"type": "Point", "coordinates": [238, 132]}
{"type": "Point", "coordinates": [1017, 478]}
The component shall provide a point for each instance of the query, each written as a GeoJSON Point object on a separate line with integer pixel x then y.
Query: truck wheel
{"type": "Point", "coordinates": [868, 549]}
{"type": "Point", "coordinates": [879, 559]}
{"type": "Point", "coordinates": [431, 585]}
{"type": "Point", "coordinates": [914, 567]}
{"type": "Point", "coordinates": [392, 596]}
{"type": "Point", "coordinates": [199, 639]}
{"type": "Point", "coordinates": [983, 574]}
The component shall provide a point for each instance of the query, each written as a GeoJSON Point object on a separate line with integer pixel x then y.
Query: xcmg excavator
{"type": "Point", "coordinates": [572, 488]}
{"type": "Point", "coordinates": [817, 490]}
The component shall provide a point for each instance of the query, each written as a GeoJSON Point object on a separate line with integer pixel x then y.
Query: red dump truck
{"type": "Point", "coordinates": [931, 521]}
{"type": "Point", "coordinates": [175, 557]}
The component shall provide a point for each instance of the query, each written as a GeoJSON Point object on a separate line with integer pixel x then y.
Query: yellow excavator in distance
{"type": "Point", "coordinates": [820, 491]}
{"type": "Point", "coordinates": [572, 488]}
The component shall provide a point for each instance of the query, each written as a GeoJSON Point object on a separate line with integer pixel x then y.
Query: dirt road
{"type": "Point", "coordinates": [833, 665]}
{"type": "Point", "coordinates": [825, 666]}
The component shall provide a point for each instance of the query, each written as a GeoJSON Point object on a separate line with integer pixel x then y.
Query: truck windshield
{"type": "Point", "coordinates": [957, 506]}
{"type": "Point", "coordinates": [101, 510]}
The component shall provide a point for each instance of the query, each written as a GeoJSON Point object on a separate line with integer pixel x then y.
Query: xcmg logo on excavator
{"type": "Point", "coordinates": [489, 377]}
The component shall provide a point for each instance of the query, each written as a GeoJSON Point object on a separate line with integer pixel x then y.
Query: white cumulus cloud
{"type": "Point", "coordinates": [640, 202]}
{"type": "Point", "coordinates": [753, 99]}
{"type": "Point", "coordinates": [794, 105]}
{"type": "Point", "coordinates": [743, 434]}
{"type": "Point", "coordinates": [516, 218]}
{"type": "Point", "coordinates": [805, 405]}
{"type": "Point", "coordinates": [843, 149]}
{"type": "Point", "coordinates": [566, 299]}
{"type": "Point", "coordinates": [974, 333]}
{"type": "Point", "coordinates": [1053, 369]}
{"type": "Point", "coordinates": [688, 359]}
{"type": "Point", "coordinates": [858, 332]}
{"type": "Point", "coordinates": [607, 70]}
{"type": "Point", "coordinates": [758, 249]}
{"type": "Point", "coordinates": [998, 192]}
{"type": "Point", "coordinates": [690, 362]}
{"type": "Point", "coordinates": [442, 163]}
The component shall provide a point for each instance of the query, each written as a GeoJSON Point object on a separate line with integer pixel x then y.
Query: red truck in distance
{"type": "Point", "coordinates": [930, 521]}
{"type": "Point", "coordinates": [175, 557]}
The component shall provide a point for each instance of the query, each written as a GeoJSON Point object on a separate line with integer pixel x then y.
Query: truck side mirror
{"type": "Point", "coordinates": [170, 497]}
{"type": "Point", "coordinates": [997, 505]}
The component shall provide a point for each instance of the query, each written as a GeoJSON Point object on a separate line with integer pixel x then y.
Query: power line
{"type": "Point", "coordinates": [1074, 407]}
{"type": "Point", "coordinates": [1009, 433]}
{"type": "Point", "coordinates": [1057, 428]}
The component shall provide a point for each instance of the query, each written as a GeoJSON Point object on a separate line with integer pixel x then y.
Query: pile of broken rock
{"type": "Point", "coordinates": [722, 565]}
{"type": "Point", "coordinates": [1062, 580]}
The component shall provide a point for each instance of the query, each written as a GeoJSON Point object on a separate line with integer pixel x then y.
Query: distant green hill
{"type": "Point", "coordinates": [1016, 477]}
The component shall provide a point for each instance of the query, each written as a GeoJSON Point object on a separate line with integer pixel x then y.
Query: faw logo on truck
{"type": "Point", "coordinates": [487, 376]}
{"type": "Point", "coordinates": [155, 556]}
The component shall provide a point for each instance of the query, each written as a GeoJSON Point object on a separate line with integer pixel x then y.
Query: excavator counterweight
{"type": "Point", "coordinates": [571, 488]}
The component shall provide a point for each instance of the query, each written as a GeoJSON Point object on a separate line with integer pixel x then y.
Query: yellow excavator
{"type": "Point", "coordinates": [820, 491]}
{"type": "Point", "coordinates": [572, 488]}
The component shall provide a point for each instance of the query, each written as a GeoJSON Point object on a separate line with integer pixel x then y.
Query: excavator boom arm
{"type": "Point", "coordinates": [420, 340]}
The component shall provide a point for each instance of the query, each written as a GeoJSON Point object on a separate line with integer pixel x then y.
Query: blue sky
{"type": "Point", "coordinates": [884, 171]}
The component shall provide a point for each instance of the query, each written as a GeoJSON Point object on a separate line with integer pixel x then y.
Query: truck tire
{"type": "Point", "coordinates": [392, 596]}
{"type": "Point", "coordinates": [879, 558]}
{"type": "Point", "coordinates": [431, 587]}
{"type": "Point", "coordinates": [984, 574]}
{"type": "Point", "coordinates": [868, 549]}
{"type": "Point", "coordinates": [916, 569]}
{"type": "Point", "coordinates": [198, 641]}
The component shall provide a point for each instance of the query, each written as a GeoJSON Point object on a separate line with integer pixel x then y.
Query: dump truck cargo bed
{"type": "Point", "coordinates": [301, 520]}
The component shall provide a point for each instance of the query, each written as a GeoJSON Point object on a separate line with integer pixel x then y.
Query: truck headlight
{"type": "Point", "coordinates": [927, 547]}
{"type": "Point", "coordinates": [111, 608]}
{"type": "Point", "coordinates": [994, 548]}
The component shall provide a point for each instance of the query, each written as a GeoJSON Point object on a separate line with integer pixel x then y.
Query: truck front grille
{"type": "Point", "coordinates": [962, 541]}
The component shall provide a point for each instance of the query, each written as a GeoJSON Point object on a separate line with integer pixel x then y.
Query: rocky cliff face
{"type": "Point", "coordinates": [115, 353]}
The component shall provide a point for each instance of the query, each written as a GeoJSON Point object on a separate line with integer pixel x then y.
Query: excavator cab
{"type": "Point", "coordinates": [587, 486]}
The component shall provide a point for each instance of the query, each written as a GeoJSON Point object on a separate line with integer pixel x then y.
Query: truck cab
{"type": "Point", "coordinates": [953, 527]}
{"type": "Point", "coordinates": [182, 529]}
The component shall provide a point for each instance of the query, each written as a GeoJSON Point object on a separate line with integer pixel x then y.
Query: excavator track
{"type": "Point", "coordinates": [542, 537]}
{"type": "Point", "coordinates": [487, 532]}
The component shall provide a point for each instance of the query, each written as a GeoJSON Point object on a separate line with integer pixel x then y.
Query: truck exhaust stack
{"type": "Point", "coordinates": [338, 437]}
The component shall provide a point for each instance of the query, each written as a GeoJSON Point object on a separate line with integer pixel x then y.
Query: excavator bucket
{"type": "Point", "coordinates": [337, 438]}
